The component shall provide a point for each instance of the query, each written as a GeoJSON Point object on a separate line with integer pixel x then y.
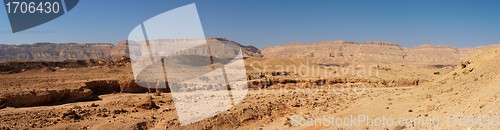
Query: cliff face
{"type": "Point", "coordinates": [55, 52]}
{"type": "Point", "coordinates": [330, 52]}
{"type": "Point", "coordinates": [60, 52]}
{"type": "Point", "coordinates": [341, 52]}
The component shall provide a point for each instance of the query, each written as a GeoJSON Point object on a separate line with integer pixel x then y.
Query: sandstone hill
{"type": "Point", "coordinates": [64, 51]}
{"type": "Point", "coordinates": [469, 90]}
{"type": "Point", "coordinates": [342, 53]}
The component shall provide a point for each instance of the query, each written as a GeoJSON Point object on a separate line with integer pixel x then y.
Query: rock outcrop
{"type": "Point", "coordinates": [44, 97]}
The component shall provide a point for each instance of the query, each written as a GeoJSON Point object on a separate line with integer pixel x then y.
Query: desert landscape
{"type": "Point", "coordinates": [92, 86]}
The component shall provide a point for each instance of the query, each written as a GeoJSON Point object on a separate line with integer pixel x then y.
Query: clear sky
{"type": "Point", "coordinates": [460, 23]}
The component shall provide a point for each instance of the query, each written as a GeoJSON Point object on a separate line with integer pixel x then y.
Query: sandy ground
{"type": "Point", "coordinates": [135, 111]}
{"type": "Point", "coordinates": [470, 88]}
{"type": "Point", "coordinates": [466, 98]}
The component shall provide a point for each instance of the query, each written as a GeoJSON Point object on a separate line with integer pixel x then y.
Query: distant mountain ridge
{"type": "Point", "coordinates": [327, 52]}
{"type": "Point", "coordinates": [57, 52]}
{"type": "Point", "coordinates": [64, 51]}
{"type": "Point", "coordinates": [342, 52]}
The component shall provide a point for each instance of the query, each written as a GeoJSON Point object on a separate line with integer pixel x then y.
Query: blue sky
{"type": "Point", "coordinates": [460, 23]}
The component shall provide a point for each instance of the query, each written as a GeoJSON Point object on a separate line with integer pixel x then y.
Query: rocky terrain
{"type": "Point", "coordinates": [469, 90]}
{"type": "Point", "coordinates": [330, 78]}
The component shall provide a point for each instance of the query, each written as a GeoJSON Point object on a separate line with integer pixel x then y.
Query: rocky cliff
{"type": "Point", "coordinates": [342, 52]}
{"type": "Point", "coordinates": [58, 52]}
{"type": "Point", "coordinates": [64, 51]}
{"type": "Point", "coordinates": [327, 53]}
